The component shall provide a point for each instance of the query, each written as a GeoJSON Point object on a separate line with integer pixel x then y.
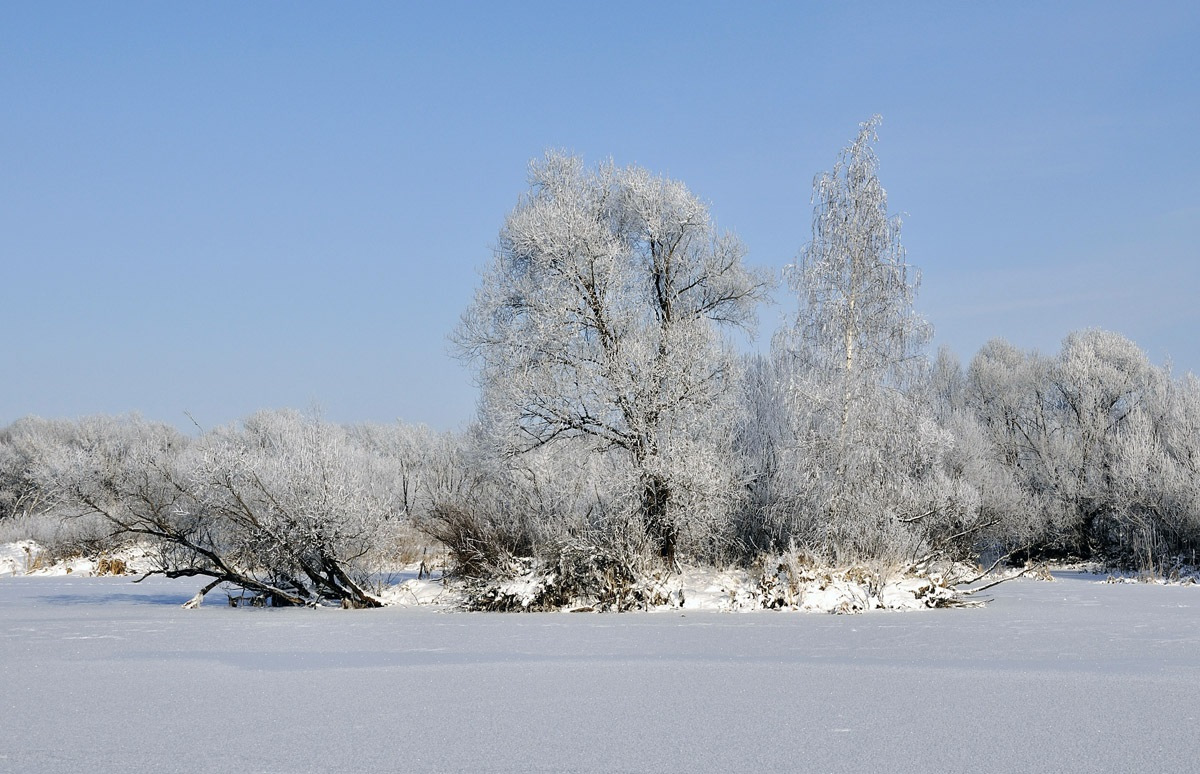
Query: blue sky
{"type": "Point", "coordinates": [215, 208]}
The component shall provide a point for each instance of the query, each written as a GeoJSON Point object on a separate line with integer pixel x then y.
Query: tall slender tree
{"type": "Point", "coordinates": [853, 352]}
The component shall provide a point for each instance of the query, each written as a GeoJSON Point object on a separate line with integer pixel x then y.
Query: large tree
{"type": "Point", "coordinates": [600, 318]}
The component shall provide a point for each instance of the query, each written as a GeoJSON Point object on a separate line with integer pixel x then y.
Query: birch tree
{"type": "Point", "coordinates": [851, 357]}
{"type": "Point", "coordinates": [600, 318]}
{"type": "Point", "coordinates": [856, 323]}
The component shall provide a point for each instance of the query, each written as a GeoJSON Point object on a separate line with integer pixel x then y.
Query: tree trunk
{"type": "Point", "coordinates": [662, 532]}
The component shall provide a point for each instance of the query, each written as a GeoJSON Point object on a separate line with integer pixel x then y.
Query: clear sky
{"type": "Point", "coordinates": [220, 207]}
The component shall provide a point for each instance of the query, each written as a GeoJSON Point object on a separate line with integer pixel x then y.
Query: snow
{"type": "Point", "coordinates": [100, 674]}
{"type": "Point", "coordinates": [715, 590]}
{"type": "Point", "coordinates": [25, 557]}
{"type": "Point", "coordinates": [779, 585]}
{"type": "Point", "coordinates": [414, 592]}
{"type": "Point", "coordinates": [17, 558]}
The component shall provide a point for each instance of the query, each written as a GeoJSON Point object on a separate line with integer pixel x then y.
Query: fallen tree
{"type": "Point", "coordinates": [286, 507]}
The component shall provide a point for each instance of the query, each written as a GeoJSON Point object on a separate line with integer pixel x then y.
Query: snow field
{"type": "Point", "coordinates": [98, 674]}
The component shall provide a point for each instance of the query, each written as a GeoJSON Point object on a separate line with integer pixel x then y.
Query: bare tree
{"type": "Point", "coordinates": [599, 319]}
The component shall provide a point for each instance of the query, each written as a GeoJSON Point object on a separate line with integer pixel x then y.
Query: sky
{"type": "Point", "coordinates": [207, 209]}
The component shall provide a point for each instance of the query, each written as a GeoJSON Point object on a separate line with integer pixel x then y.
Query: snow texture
{"type": "Point", "coordinates": [99, 674]}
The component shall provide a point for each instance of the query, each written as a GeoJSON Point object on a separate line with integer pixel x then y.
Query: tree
{"type": "Point", "coordinates": [300, 500]}
{"type": "Point", "coordinates": [856, 323]}
{"type": "Point", "coordinates": [1169, 423]}
{"type": "Point", "coordinates": [19, 493]}
{"type": "Point", "coordinates": [599, 318]}
{"type": "Point", "coordinates": [28, 507]}
{"type": "Point", "coordinates": [1097, 440]}
{"type": "Point", "coordinates": [1097, 380]}
{"type": "Point", "coordinates": [284, 506]}
{"type": "Point", "coordinates": [867, 442]}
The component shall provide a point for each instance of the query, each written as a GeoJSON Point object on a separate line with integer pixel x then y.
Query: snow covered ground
{"type": "Point", "coordinates": [99, 674]}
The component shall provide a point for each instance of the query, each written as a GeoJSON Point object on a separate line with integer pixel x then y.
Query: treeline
{"type": "Point", "coordinates": [620, 434]}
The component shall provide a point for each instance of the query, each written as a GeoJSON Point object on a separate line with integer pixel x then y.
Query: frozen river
{"type": "Point", "coordinates": [100, 675]}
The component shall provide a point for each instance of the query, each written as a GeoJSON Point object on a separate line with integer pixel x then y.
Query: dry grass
{"type": "Point", "coordinates": [111, 566]}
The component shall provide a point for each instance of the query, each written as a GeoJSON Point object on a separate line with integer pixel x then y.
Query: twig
{"type": "Point", "coordinates": [970, 592]}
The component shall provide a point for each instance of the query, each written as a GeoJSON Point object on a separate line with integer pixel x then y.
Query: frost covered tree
{"type": "Point", "coordinates": [600, 318]}
{"type": "Point", "coordinates": [1098, 381]}
{"type": "Point", "coordinates": [856, 328]}
{"type": "Point", "coordinates": [1162, 468]}
{"type": "Point", "coordinates": [28, 507]}
{"type": "Point", "coordinates": [300, 500]}
{"type": "Point", "coordinates": [283, 506]}
{"type": "Point", "coordinates": [19, 494]}
{"type": "Point", "coordinates": [856, 321]}
{"type": "Point", "coordinates": [120, 470]}
{"type": "Point", "coordinates": [1099, 443]}
{"type": "Point", "coordinates": [864, 445]}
